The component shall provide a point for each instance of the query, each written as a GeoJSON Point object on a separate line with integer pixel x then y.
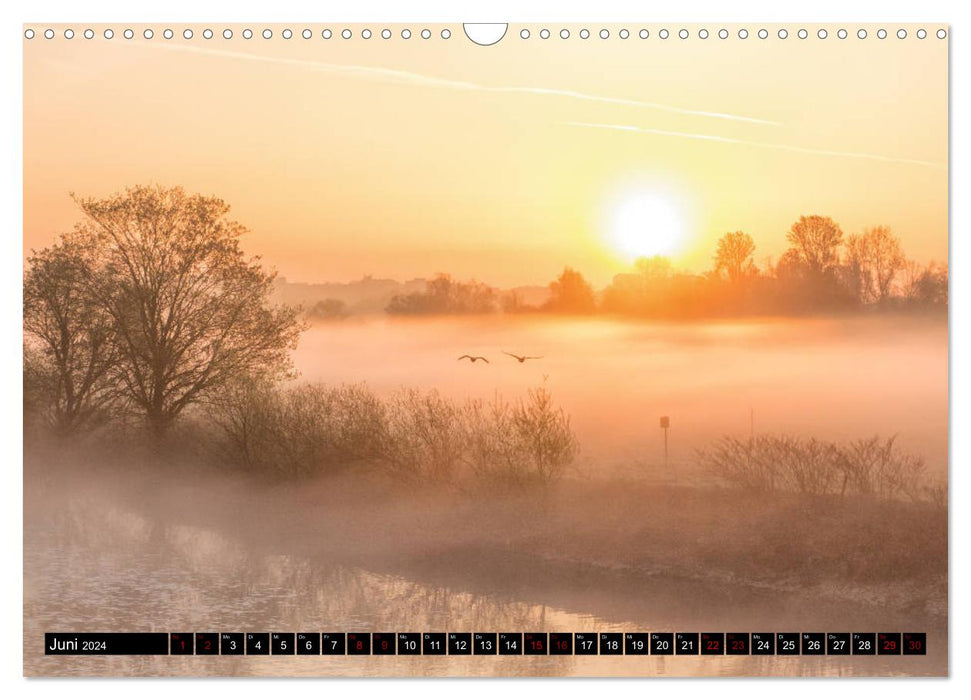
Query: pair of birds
{"type": "Point", "coordinates": [521, 358]}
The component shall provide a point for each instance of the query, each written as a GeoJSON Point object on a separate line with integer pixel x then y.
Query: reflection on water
{"type": "Point", "coordinates": [93, 567]}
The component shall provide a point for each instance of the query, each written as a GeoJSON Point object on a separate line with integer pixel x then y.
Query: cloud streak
{"type": "Point", "coordinates": [756, 144]}
{"type": "Point", "coordinates": [405, 77]}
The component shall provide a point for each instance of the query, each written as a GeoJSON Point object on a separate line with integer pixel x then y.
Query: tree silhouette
{"type": "Point", "coordinates": [926, 286]}
{"type": "Point", "coordinates": [734, 256]}
{"type": "Point", "coordinates": [444, 295]}
{"type": "Point", "coordinates": [327, 310]}
{"type": "Point", "coordinates": [874, 258]}
{"type": "Point", "coordinates": [189, 312]}
{"type": "Point", "coordinates": [654, 289]}
{"type": "Point", "coordinates": [657, 267]}
{"type": "Point", "coordinates": [815, 242]}
{"type": "Point", "coordinates": [571, 293]}
{"type": "Point", "coordinates": [69, 352]}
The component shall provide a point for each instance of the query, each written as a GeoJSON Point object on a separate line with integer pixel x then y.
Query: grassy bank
{"type": "Point", "coordinates": [853, 548]}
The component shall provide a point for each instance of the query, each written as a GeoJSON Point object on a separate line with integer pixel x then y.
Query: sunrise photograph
{"type": "Point", "coordinates": [341, 336]}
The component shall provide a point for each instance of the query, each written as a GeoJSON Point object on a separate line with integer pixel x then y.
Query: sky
{"type": "Point", "coordinates": [404, 158]}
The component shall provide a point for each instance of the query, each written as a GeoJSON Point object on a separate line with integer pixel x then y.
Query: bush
{"type": "Point", "coordinates": [873, 467]}
{"type": "Point", "coordinates": [423, 436]}
{"type": "Point", "coordinates": [518, 444]}
{"type": "Point", "coordinates": [807, 466]}
{"type": "Point", "coordinates": [299, 431]}
{"type": "Point", "coordinates": [413, 435]}
{"type": "Point", "coordinates": [747, 464]}
{"type": "Point", "coordinates": [544, 435]}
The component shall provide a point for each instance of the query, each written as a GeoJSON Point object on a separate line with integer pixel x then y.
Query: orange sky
{"type": "Point", "coordinates": [404, 158]}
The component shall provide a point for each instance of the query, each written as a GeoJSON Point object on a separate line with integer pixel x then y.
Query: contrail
{"type": "Point", "coordinates": [758, 144]}
{"type": "Point", "coordinates": [400, 76]}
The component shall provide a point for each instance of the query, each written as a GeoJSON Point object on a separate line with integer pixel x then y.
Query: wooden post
{"type": "Point", "coordinates": [665, 448]}
{"type": "Point", "coordinates": [665, 424]}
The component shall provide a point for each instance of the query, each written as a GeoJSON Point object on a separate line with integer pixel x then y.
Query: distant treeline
{"type": "Point", "coordinates": [822, 271]}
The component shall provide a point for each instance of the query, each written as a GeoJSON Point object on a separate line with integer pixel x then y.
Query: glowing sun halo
{"type": "Point", "coordinates": [643, 224]}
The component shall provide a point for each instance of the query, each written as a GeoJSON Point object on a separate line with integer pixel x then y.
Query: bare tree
{"type": "Point", "coordinates": [734, 256]}
{"type": "Point", "coordinates": [874, 259]}
{"type": "Point", "coordinates": [189, 312]}
{"type": "Point", "coordinates": [68, 350]}
{"type": "Point", "coordinates": [815, 242]}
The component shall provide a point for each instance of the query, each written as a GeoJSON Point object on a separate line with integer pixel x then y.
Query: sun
{"type": "Point", "coordinates": [644, 223]}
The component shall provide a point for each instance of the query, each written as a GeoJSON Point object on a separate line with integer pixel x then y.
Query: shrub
{"type": "Point", "coordinates": [872, 467]}
{"type": "Point", "coordinates": [423, 436]}
{"type": "Point", "coordinates": [544, 435]}
{"type": "Point", "coordinates": [413, 435]}
{"type": "Point", "coordinates": [875, 467]}
{"type": "Point", "coordinates": [747, 464]}
{"type": "Point", "coordinates": [244, 412]}
{"type": "Point", "coordinates": [530, 441]}
{"type": "Point", "coordinates": [491, 455]}
{"type": "Point", "coordinates": [806, 466]}
{"type": "Point", "coordinates": [299, 431]}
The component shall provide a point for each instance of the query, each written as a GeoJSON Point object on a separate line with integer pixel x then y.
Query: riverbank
{"type": "Point", "coordinates": [579, 533]}
{"type": "Point", "coordinates": [136, 547]}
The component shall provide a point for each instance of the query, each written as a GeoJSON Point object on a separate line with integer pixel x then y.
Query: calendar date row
{"type": "Point", "coordinates": [488, 643]}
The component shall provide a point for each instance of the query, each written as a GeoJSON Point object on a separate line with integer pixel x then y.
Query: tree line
{"type": "Point", "coordinates": [822, 271]}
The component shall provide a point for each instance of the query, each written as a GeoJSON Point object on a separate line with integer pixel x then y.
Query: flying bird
{"type": "Point", "coordinates": [522, 358]}
{"type": "Point", "coordinates": [474, 358]}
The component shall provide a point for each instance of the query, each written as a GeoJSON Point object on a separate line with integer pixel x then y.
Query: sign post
{"type": "Point", "coordinates": [665, 424]}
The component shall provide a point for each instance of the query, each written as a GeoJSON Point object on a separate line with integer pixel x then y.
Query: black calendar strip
{"type": "Point", "coordinates": [487, 643]}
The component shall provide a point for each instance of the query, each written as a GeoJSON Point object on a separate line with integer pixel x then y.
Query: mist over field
{"type": "Point", "coordinates": [831, 378]}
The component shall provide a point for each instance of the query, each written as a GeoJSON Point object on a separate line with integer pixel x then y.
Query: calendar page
{"type": "Point", "coordinates": [547, 349]}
